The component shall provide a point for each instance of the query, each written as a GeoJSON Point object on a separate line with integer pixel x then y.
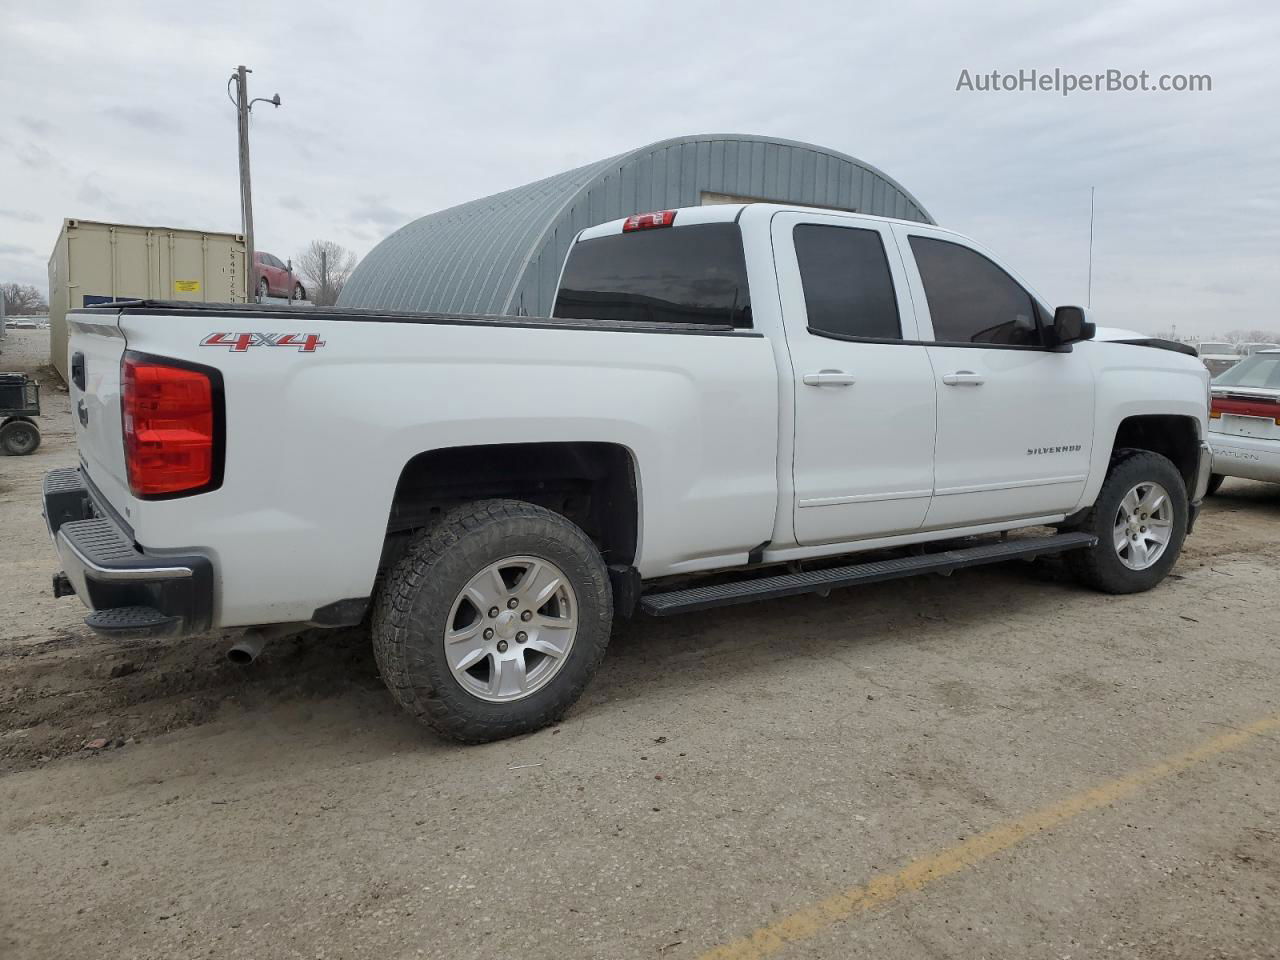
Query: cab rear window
{"type": "Point", "coordinates": [693, 274]}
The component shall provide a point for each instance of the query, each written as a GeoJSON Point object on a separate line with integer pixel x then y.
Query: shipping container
{"type": "Point", "coordinates": [97, 262]}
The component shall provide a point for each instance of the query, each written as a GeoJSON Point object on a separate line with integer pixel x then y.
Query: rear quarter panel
{"type": "Point", "coordinates": [316, 440]}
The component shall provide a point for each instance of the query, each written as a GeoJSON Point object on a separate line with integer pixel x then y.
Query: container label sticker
{"type": "Point", "coordinates": [186, 286]}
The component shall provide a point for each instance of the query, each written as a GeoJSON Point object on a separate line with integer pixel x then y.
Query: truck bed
{"type": "Point", "coordinates": [313, 443]}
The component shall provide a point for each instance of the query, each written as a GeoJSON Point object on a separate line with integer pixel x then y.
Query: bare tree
{"type": "Point", "coordinates": [1252, 336]}
{"type": "Point", "coordinates": [325, 267]}
{"type": "Point", "coordinates": [22, 299]}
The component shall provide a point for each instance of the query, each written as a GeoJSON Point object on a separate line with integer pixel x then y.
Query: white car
{"type": "Point", "coordinates": [1217, 357]}
{"type": "Point", "coordinates": [743, 390]}
{"type": "Point", "coordinates": [1211, 347]}
{"type": "Point", "coordinates": [1244, 420]}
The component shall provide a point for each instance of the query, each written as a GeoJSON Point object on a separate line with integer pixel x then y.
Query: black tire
{"type": "Point", "coordinates": [264, 289]}
{"type": "Point", "coordinates": [414, 605]}
{"type": "Point", "coordinates": [1100, 567]}
{"type": "Point", "coordinates": [18, 438]}
{"type": "Point", "coordinates": [299, 292]}
{"type": "Point", "coordinates": [1215, 481]}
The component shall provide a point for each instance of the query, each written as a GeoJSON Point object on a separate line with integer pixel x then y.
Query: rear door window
{"type": "Point", "coordinates": [693, 274]}
{"type": "Point", "coordinates": [848, 291]}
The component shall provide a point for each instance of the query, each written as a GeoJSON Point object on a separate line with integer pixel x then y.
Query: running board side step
{"type": "Point", "coordinates": [821, 581]}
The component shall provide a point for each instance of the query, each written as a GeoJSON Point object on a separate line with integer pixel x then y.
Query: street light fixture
{"type": "Point", "coordinates": [243, 105]}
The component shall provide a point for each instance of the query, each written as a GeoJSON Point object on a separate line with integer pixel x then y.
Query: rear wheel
{"type": "Point", "coordinates": [494, 621]}
{"type": "Point", "coordinates": [264, 289]}
{"type": "Point", "coordinates": [1140, 520]}
{"type": "Point", "coordinates": [19, 438]}
{"type": "Point", "coordinates": [1215, 481]}
{"type": "Point", "coordinates": [298, 292]}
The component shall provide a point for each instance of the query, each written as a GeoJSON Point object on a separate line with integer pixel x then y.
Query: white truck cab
{"type": "Point", "coordinates": [720, 391]}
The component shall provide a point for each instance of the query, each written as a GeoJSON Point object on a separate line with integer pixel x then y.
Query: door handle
{"type": "Point", "coordinates": [829, 378]}
{"type": "Point", "coordinates": [963, 378]}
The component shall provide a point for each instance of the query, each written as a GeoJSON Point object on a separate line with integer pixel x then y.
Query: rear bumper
{"type": "Point", "coordinates": [1248, 457]}
{"type": "Point", "coordinates": [130, 592]}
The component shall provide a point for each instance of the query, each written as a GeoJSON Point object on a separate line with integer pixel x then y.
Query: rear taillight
{"type": "Point", "coordinates": [1262, 408]}
{"type": "Point", "coordinates": [648, 221]}
{"type": "Point", "coordinates": [171, 417]}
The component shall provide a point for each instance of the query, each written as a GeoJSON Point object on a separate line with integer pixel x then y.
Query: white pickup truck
{"type": "Point", "coordinates": [727, 402]}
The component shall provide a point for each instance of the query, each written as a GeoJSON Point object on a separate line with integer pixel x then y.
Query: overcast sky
{"type": "Point", "coordinates": [118, 111]}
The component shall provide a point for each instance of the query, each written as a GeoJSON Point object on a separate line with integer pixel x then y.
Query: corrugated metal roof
{"type": "Point", "coordinates": [503, 253]}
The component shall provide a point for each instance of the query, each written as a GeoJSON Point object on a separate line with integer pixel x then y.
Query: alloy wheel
{"type": "Point", "coordinates": [511, 628]}
{"type": "Point", "coordinates": [1143, 525]}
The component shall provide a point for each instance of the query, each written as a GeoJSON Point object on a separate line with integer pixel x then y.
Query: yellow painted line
{"type": "Point", "coordinates": [812, 920]}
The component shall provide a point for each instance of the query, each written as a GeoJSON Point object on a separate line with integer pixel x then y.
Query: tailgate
{"type": "Point", "coordinates": [94, 353]}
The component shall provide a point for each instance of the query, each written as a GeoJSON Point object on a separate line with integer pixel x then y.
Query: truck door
{"type": "Point", "coordinates": [1015, 418]}
{"type": "Point", "coordinates": [863, 388]}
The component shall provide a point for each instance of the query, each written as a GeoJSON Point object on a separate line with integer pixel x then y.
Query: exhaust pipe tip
{"type": "Point", "coordinates": [247, 649]}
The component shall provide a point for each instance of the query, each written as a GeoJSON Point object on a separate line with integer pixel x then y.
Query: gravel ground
{"type": "Point", "coordinates": [724, 771]}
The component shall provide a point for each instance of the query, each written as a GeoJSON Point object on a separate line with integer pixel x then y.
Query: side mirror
{"type": "Point", "coordinates": [1070, 325]}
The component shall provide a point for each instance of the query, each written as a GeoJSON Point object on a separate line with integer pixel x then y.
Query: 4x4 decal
{"type": "Point", "coordinates": [241, 342]}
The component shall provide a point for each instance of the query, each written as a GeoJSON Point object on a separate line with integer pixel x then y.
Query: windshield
{"type": "Point", "coordinates": [1259, 370]}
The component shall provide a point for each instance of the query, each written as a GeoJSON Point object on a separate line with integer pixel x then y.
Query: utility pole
{"type": "Point", "coordinates": [243, 105]}
{"type": "Point", "coordinates": [246, 192]}
{"type": "Point", "coordinates": [324, 275]}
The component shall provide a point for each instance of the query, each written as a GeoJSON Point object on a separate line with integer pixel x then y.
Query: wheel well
{"type": "Point", "coordinates": [1169, 435]}
{"type": "Point", "coordinates": [592, 484]}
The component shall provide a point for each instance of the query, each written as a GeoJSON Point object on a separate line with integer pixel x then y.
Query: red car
{"type": "Point", "coordinates": [274, 277]}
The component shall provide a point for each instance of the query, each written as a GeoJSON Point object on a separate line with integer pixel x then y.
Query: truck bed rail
{"type": "Point", "coordinates": [189, 308]}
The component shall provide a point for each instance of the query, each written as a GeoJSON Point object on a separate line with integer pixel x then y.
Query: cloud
{"type": "Point", "coordinates": [395, 116]}
{"type": "Point", "coordinates": [35, 157]}
{"type": "Point", "coordinates": [145, 119]}
{"type": "Point", "coordinates": [13, 249]}
{"type": "Point", "coordinates": [35, 125]}
{"type": "Point", "coordinates": [91, 193]}
{"type": "Point", "coordinates": [377, 211]}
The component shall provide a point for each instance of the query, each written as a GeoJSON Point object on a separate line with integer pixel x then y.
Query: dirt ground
{"type": "Point", "coordinates": [995, 764]}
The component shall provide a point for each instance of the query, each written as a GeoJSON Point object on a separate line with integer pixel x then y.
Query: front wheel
{"type": "Point", "coordinates": [298, 292]}
{"type": "Point", "coordinates": [1140, 520]}
{"type": "Point", "coordinates": [494, 621]}
{"type": "Point", "coordinates": [1215, 481]}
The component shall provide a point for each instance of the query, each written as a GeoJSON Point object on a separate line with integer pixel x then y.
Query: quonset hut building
{"type": "Point", "coordinates": [502, 254]}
